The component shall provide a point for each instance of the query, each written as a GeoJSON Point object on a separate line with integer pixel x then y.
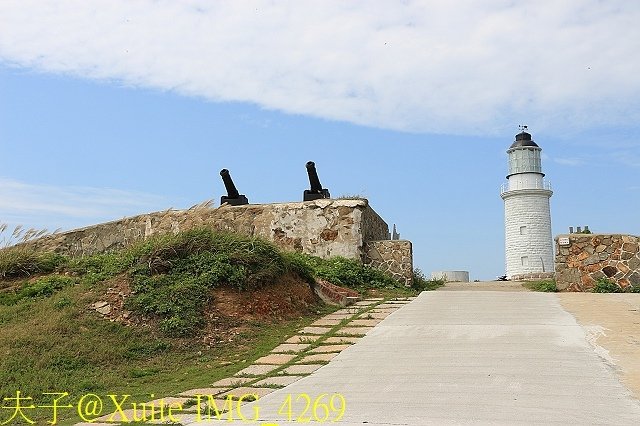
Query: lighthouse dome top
{"type": "Point", "coordinates": [523, 139]}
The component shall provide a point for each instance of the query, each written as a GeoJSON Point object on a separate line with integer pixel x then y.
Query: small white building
{"type": "Point", "coordinates": [527, 213]}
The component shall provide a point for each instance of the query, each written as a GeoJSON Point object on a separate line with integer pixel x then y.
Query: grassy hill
{"type": "Point", "coordinates": [170, 313]}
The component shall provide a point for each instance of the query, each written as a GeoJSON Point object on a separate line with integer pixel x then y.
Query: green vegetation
{"type": "Point", "coordinates": [421, 283]}
{"type": "Point", "coordinates": [52, 341]}
{"type": "Point", "coordinates": [172, 275]}
{"type": "Point", "coordinates": [343, 272]}
{"type": "Point", "coordinates": [24, 261]}
{"type": "Point", "coordinates": [605, 285]}
{"type": "Point", "coordinates": [42, 287]}
{"type": "Point", "coordinates": [19, 259]}
{"type": "Point", "coordinates": [542, 285]}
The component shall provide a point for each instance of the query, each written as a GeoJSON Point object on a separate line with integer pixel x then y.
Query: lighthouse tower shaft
{"type": "Point", "coordinates": [526, 195]}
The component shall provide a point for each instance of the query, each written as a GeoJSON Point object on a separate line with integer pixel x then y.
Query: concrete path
{"type": "Point", "coordinates": [466, 357]}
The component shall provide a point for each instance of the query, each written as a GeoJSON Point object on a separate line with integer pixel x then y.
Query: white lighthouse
{"type": "Point", "coordinates": [527, 214]}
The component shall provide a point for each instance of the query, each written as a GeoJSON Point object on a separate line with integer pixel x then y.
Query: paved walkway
{"type": "Point", "coordinates": [465, 357]}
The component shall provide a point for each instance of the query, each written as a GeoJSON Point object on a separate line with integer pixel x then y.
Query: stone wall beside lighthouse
{"type": "Point", "coordinates": [528, 239]}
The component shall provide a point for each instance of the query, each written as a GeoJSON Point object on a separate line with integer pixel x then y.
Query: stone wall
{"type": "Point", "coordinates": [394, 257]}
{"type": "Point", "coordinates": [583, 259]}
{"type": "Point", "coordinates": [322, 228]}
{"type": "Point", "coordinates": [374, 228]}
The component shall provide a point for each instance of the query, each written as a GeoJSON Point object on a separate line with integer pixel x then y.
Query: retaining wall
{"type": "Point", "coordinates": [322, 228]}
{"type": "Point", "coordinates": [394, 257]}
{"type": "Point", "coordinates": [583, 259]}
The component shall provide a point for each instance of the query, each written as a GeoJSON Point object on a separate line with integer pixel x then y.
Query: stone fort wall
{"type": "Point", "coordinates": [323, 228]}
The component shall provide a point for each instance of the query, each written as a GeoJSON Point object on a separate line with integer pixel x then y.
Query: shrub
{"type": "Point", "coordinates": [421, 283]}
{"type": "Point", "coordinates": [172, 275]}
{"type": "Point", "coordinates": [605, 285]}
{"type": "Point", "coordinates": [542, 285]}
{"type": "Point", "coordinates": [346, 272]}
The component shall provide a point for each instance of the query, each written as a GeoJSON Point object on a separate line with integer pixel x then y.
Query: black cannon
{"type": "Point", "coordinates": [233, 197]}
{"type": "Point", "coordinates": [317, 191]}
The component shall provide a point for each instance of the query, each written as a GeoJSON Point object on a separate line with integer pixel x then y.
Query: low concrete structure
{"type": "Point", "coordinates": [451, 276]}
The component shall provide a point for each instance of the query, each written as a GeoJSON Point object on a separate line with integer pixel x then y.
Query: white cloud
{"type": "Point", "coordinates": [572, 161]}
{"type": "Point", "coordinates": [54, 206]}
{"type": "Point", "coordinates": [451, 67]}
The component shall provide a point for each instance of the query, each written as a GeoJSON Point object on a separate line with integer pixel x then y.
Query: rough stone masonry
{"type": "Point", "coordinates": [583, 259]}
{"type": "Point", "coordinates": [321, 228]}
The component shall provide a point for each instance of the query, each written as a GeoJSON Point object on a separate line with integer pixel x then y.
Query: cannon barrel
{"type": "Point", "coordinates": [313, 177]}
{"type": "Point", "coordinates": [232, 192]}
{"type": "Point", "coordinates": [317, 191]}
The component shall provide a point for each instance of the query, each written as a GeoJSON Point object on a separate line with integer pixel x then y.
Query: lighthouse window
{"type": "Point", "coordinates": [523, 230]}
{"type": "Point", "coordinates": [524, 260]}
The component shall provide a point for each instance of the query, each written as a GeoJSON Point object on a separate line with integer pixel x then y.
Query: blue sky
{"type": "Point", "coordinates": [109, 109]}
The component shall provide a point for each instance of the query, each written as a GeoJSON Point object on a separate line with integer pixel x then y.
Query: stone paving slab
{"type": "Point", "coordinates": [230, 381]}
{"type": "Point", "coordinates": [96, 424]}
{"type": "Point", "coordinates": [364, 303]}
{"type": "Point", "coordinates": [358, 331]}
{"type": "Point", "coordinates": [374, 315]}
{"type": "Point", "coordinates": [207, 404]}
{"type": "Point", "coordinates": [318, 357]}
{"type": "Point", "coordinates": [346, 311]}
{"type": "Point", "coordinates": [338, 316]}
{"type": "Point", "coordinates": [275, 359]}
{"type": "Point", "coordinates": [340, 340]}
{"type": "Point", "coordinates": [327, 322]}
{"type": "Point", "coordinates": [117, 417]}
{"type": "Point", "coordinates": [302, 368]}
{"type": "Point", "coordinates": [278, 380]}
{"type": "Point", "coordinates": [169, 401]}
{"type": "Point", "coordinates": [257, 370]}
{"type": "Point", "coordinates": [302, 339]}
{"type": "Point", "coordinates": [364, 323]}
{"type": "Point", "coordinates": [329, 348]}
{"type": "Point", "coordinates": [204, 391]}
{"type": "Point", "coordinates": [315, 330]}
{"type": "Point", "coordinates": [291, 347]}
{"type": "Point", "coordinates": [245, 390]}
{"type": "Point", "coordinates": [388, 305]}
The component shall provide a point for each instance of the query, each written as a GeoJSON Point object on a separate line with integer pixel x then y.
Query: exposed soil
{"type": "Point", "coordinates": [230, 312]}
